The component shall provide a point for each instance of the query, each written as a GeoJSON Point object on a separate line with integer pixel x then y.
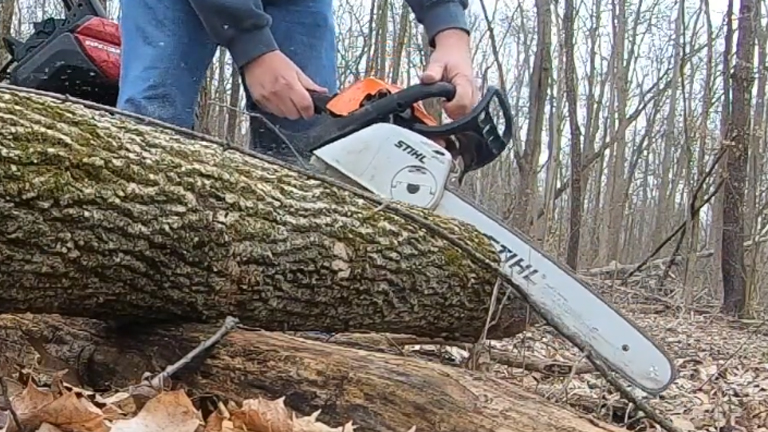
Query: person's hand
{"type": "Point", "coordinates": [277, 85]}
{"type": "Point", "coordinates": [451, 61]}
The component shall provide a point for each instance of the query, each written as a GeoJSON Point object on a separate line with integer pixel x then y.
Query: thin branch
{"type": "Point", "coordinates": [693, 212]}
{"type": "Point", "coordinates": [230, 324]}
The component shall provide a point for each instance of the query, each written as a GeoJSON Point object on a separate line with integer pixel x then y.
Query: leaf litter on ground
{"type": "Point", "coordinates": [722, 364]}
{"type": "Point", "coordinates": [722, 385]}
{"type": "Point", "coordinates": [63, 408]}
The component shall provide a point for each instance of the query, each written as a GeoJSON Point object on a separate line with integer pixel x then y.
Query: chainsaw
{"type": "Point", "coordinates": [380, 138]}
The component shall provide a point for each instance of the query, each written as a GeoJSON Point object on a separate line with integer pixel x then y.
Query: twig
{"type": "Point", "coordinates": [671, 236]}
{"type": "Point", "coordinates": [484, 335]}
{"type": "Point", "coordinates": [14, 414]}
{"type": "Point", "coordinates": [230, 324]}
{"type": "Point", "coordinates": [660, 420]}
{"type": "Point", "coordinates": [491, 307]}
{"type": "Point", "coordinates": [732, 356]}
{"type": "Point", "coordinates": [693, 212]}
{"type": "Point", "coordinates": [564, 388]}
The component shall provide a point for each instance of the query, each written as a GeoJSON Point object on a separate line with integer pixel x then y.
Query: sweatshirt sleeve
{"type": "Point", "coordinates": [439, 15]}
{"type": "Point", "coordinates": [241, 26]}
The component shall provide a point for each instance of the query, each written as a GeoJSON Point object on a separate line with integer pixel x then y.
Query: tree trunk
{"type": "Point", "coordinates": [104, 217]}
{"type": "Point", "coordinates": [756, 168]}
{"type": "Point", "coordinates": [725, 116]}
{"type": "Point", "coordinates": [732, 260]}
{"type": "Point", "coordinates": [528, 161]}
{"type": "Point", "coordinates": [576, 206]}
{"type": "Point", "coordinates": [7, 9]}
{"type": "Point", "coordinates": [666, 195]}
{"type": "Point", "coordinates": [694, 224]}
{"type": "Point", "coordinates": [233, 108]}
{"type": "Point", "coordinates": [379, 392]}
{"type": "Point", "coordinates": [404, 25]}
{"type": "Point", "coordinates": [222, 110]}
{"type": "Point", "coordinates": [613, 213]}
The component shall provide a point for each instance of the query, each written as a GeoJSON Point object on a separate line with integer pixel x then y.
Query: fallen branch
{"type": "Point", "coordinates": [379, 392]}
{"type": "Point", "coordinates": [620, 271]}
{"type": "Point", "coordinates": [694, 210]}
{"type": "Point", "coordinates": [229, 324]}
{"type": "Point", "coordinates": [394, 344]}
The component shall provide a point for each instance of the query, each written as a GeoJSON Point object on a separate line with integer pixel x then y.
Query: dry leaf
{"type": "Point", "coordinates": [310, 424]}
{"type": "Point", "coordinates": [168, 412]}
{"type": "Point", "coordinates": [261, 415]}
{"type": "Point", "coordinates": [140, 395]}
{"type": "Point", "coordinates": [112, 412]}
{"type": "Point", "coordinates": [682, 423]}
{"type": "Point", "coordinates": [114, 399]}
{"type": "Point", "coordinates": [69, 413]}
{"type": "Point", "coordinates": [123, 402]}
{"type": "Point", "coordinates": [5, 420]}
{"type": "Point", "coordinates": [31, 399]}
{"type": "Point", "coordinates": [219, 423]}
{"type": "Point", "coordinates": [12, 387]}
{"type": "Point", "coordinates": [46, 427]}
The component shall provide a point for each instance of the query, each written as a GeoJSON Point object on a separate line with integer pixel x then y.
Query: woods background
{"type": "Point", "coordinates": [620, 109]}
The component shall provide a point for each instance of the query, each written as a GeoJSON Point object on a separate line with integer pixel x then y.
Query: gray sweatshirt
{"type": "Point", "coordinates": [242, 27]}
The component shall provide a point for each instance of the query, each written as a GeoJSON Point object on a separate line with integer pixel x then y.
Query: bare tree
{"type": "Point", "coordinates": [7, 11]}
{"type": "Point", "coordinates": [738, 138]}
{"type": "Point", "coordinates": [527, 161]}
{"type": "Point", "coordinates": [571, 92]}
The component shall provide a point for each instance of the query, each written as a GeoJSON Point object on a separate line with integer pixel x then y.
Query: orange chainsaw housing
{"type": "Point", "coordinates": [353, 97]}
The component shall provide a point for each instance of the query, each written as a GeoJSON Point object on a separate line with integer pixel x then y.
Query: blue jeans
{"type": "Point", "coordinates": [167, 51]}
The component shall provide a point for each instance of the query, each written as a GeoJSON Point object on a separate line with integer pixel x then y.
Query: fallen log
{"type": "Point", "coordinates": [394, 343]}
{"type": "Point", "coordinates": [379, 392]}
{"type": "Point", "coordinates": [106, 217]}
{"type": "Point", "coordinates": [617, 270]}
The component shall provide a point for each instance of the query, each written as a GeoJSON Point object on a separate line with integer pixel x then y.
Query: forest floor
{"type": "Point", "coordinates": [722, 384]}
{"type": "Point", "coordinates": [722, 363]}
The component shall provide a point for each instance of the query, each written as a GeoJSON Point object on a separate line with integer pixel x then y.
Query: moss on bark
{"type": "Point", "coordinates": [104, 217]}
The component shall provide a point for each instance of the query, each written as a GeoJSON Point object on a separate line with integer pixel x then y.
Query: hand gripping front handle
{"type": "Point", "coordinates": [478, 134]}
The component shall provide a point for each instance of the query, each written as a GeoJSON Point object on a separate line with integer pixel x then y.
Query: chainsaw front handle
{"type": "Point", "coordinates": [479, 133]}
{"type": "Point", "coordinates": [333, 128]}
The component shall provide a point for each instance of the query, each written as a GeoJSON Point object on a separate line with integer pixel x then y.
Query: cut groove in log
{"type": "Point", "coordinates": [379, 392]}
{"type": "Point", "coordinates": [103, 217]}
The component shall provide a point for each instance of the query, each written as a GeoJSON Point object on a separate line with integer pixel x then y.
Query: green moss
{"type": "Point", "coordinates": [169, 211]}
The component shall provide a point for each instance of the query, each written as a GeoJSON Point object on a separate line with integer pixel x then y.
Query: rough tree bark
{"type": "Point", "coordinates": [732, 259]}
{"type": "Point", "coordinates": [576, 206]}
{"type": "Point", "coordinates": [107, 218]}
{"type": "Point", "coordinates": [7, 8]}
{"type": "Point", "coordinates": [379, 392]}
{"type": "Point", "coordinates": [528, 161]}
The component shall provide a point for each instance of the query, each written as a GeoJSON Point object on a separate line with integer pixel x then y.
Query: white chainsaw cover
{"type": "Point", "coordinates": [392, 162]}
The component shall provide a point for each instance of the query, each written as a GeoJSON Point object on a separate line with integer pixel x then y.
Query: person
{"type": "Point", "coordinates": [283, 48]}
